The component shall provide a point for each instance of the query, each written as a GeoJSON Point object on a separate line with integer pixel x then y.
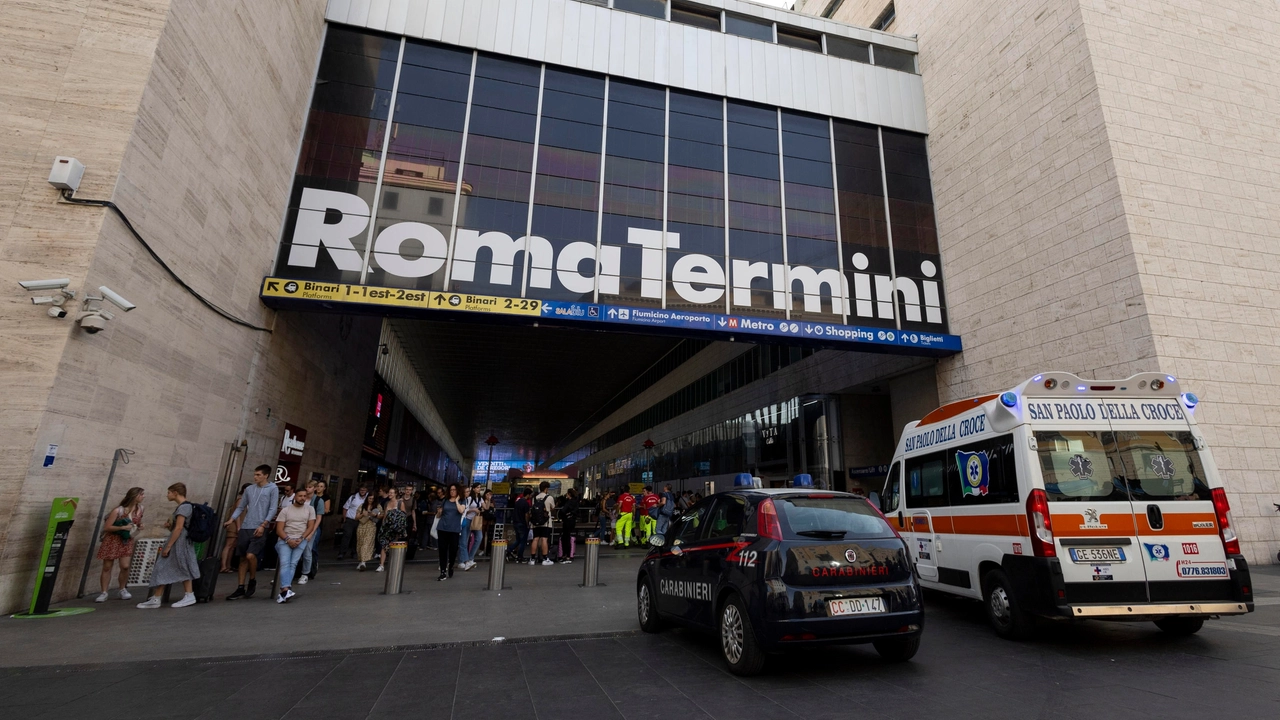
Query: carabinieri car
{"type": "Point", "coordinates": [769, 569]}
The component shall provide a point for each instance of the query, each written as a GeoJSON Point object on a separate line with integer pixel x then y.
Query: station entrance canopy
{"type": "Point", "coordinates": [438, 181]}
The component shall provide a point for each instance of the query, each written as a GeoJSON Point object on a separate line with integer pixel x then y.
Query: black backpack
{"type": "Point", "coordinates": [203, 524]}
{"type": "Point", "coordinates": [538, 513]}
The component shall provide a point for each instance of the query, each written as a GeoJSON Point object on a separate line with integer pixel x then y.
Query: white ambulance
{"type": "Point", "coordinates": [1070, 498]}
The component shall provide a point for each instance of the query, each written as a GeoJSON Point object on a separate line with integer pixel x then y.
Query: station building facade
{"type": "Point", "coordinates": [1057, 187]}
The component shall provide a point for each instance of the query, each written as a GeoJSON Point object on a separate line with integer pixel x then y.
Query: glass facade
{"type": "Point", "coordinates": [430, 168]}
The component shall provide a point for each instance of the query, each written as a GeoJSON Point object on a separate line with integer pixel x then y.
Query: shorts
{"type": "Point", "coordinates": [542, 532]}
{"type": "Point", "coordinates": [247, 544]}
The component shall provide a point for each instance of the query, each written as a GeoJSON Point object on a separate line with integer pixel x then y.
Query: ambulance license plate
{"type": "Point", "coordinates": [1094, 555]}
{"type": "Point", "coordinates": [855, 606]}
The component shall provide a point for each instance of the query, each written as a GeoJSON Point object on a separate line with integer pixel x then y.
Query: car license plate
{"type": "Point", "coordinates": [855, 606]}
{"type": "Point", "coordinates": [1094, 555]}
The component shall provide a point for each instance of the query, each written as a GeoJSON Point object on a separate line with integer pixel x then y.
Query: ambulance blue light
{"type": "Point", "coordinates": [802, 480]}
{"type": "Point", "coordinates": [1009, 399]}
{"type": "Point", "coordinates": [1170, 378]}
{"type": "Point", "coordinates": [742, 480]}
{"type": "Point", "coordinates": [1081, 388]}
{"type": "Point", "coordinates": [1190, 400]}
{"type": "Point", "coordinates": [1036, 379]}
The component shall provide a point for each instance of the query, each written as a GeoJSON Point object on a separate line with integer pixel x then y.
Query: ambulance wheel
{"type": "Point", "coordinates": [738, 642]}
{"type": "Point", "coordinates": [647, 607]}
{"type": "Point", "coordinates": [1004, 612]}
{"type": "Point", "coordinates": [1180, 626]}
{"type": "Point", "coordinates": [897, 649]}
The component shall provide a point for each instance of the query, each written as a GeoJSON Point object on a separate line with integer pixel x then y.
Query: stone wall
{"type": "Point", "coordinates": [1108, 197]}
{"type": "Point", "coordinates": [188, 115]}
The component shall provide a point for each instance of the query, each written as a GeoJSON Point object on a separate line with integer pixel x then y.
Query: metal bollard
{"type": "Point", "coordinates": [497, 564]}
{"type": "Point", "coordinates": [591, 568]}
{"type": "Point", "coordinates": [395, 567]}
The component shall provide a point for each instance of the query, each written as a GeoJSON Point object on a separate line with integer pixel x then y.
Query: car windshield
{"type": "Point", "coordinates": [1162, 465]}
{"type": "Point", "coordinates": [831, 517]}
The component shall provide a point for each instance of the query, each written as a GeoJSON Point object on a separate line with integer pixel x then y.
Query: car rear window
{"type": "Point", "coordinates": [823, 518]}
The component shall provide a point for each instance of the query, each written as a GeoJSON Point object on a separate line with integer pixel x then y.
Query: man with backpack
{"type": "Point", "coordinates": [258, 506]}
{"type": "Point", "coordinates": [540, 514]}
{"type": "Point", "coordinates": [568, 525]}
{"type": "Point", "coordinates": [520, 520]}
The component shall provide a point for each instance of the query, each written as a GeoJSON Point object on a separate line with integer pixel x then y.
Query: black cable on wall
{"type": "Point", "coordinates": [66, 195]}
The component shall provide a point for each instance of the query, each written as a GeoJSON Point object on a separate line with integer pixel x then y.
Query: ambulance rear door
{"type": "Point", "coordinates": [1170, 481]}
{"type": "Point", "coordinates": [1094, 528]}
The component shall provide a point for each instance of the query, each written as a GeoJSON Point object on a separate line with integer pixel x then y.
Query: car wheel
{"type": "Point", "coordinates": [1180, 626]}
{"type": "Point", "coordinates": [1006, 616]}
{"type": "Point", "coordinates": [897, 649]}
{"type": "Point", "coordinates": [738, 642]}
{"type": "Point", "coordinates": [647, 607]}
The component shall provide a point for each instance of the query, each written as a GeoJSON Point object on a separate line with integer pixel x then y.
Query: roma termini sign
{"type": "Point", "coordinates": [323, 256]}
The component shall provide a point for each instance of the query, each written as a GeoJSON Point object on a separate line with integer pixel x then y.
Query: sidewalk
{"type": "Point", "coordinates": [341, 609]}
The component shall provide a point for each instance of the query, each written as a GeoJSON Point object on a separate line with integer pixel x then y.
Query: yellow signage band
{"type": "Point", "coordinates": [397, 297]}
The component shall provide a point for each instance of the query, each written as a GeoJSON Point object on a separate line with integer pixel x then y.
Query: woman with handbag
{"type": "Point", "coordinates": [449, 529]}
{"type": "Point", "coordinates": [122, 526]}
{"type": "Point", "coordinates": [367, 529]}
{"type": "Point", "coordinates": [395, 526]}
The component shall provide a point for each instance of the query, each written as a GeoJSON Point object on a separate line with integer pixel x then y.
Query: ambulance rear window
{"type": "Point", "coordinates": [1076, 466]}
{"type": "Point", "coordinates": [1162, 465]}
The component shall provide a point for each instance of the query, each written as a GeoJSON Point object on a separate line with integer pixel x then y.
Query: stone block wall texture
{"type": "Point", "coordinates": [188, 115]}
{"type": "Point", "coordinates": [1106, 183]}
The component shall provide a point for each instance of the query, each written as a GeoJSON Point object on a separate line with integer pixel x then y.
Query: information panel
{"type": "Point", "coordinates": [282, 292]}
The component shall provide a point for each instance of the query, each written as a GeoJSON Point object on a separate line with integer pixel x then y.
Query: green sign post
{"type": "Point", "coordinates": [61, 516]}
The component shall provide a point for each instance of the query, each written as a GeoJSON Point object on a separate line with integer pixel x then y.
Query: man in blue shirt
{"type": "Point", "coordinates": [258, 506]}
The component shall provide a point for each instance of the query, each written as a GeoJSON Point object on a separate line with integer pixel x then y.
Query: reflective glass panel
{"type": "Point", "coordinates": [695, 203]}
{"type": "Point", "coordinates": [328, 215]}
{"type": "Point", "coordinates": [812, 251]}
{"type": "Point", "coordinates": [755, 210]}
{"type": "Point", "coordinates": [488, 253]}
{"type": "Point", "coordinates": [864, 233]}
{"type": "Point", "coordinates": [567, 191]}
{"type": "Point", "coordinates": [631, 253]}
{"type": "Point", "coordinates": [915, 234]}
{"type": "Point", "coordinates": [420, 180]}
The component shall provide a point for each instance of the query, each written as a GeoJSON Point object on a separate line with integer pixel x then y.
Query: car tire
{"type": "Point", "coordinates": [897, 649]}
{"type": "Point", "coordinates": [738, 644]}
{"type": "Point", "coordinates": [1180, 626]}
{"type": "Point", "coordinates": [1007, 617]}
{"type": "Point", "coordinates": [647, 607]}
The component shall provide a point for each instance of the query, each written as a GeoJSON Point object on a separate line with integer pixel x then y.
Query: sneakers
{"type": "Point", "coordinates": [101, 598]}
{"type": "Point", "coordinates": [302, 580]}
{"type": "Point", "coordinates": [282, 598]}
{"type": "Point", "coordinates": [442, 577]}
{"type": "Point", "coordinates": [379, 568]}
{"type": "Point", "coordinates": [566, 561]}
{"type": "Point", "coordinates": [239, 593]}
{"type": "Point", "coordinates": [253, 585]}
{"type": "Point", "coordinates": [547, 562]}
{"type": "Point", "coordinates": [153, 602]}
{"type": "Point", "coordinates": [531, 561]}
{"type": "Point", "coordinates": [124, 594]}
{"type": "Point", "coordinates": [188, 599]}
{"type": "Point", "coordinates": [360, 567]}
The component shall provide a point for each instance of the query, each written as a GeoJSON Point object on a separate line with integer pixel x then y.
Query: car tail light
{"type": "Point", "coordinates": [767, 524]}
{"type": "Point", "coordinates": [1041, 524]}
{"type": "Point", "coordinates": [885, 519]}
{"type": "Point", "coordinates": [1222, 509]}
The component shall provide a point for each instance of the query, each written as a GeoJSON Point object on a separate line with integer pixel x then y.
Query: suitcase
{"type": "Point", "coordinates": [204, 585]}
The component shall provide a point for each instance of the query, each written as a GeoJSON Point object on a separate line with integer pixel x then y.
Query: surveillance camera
{"type": "Point", "coordinates": [44, 284]}
{"type": "Point", "coordinates": [57, 312]}
{"type": "Point", "coordinates": [92, 322]}
{"type": "Point", "coordinates": [116, 299]}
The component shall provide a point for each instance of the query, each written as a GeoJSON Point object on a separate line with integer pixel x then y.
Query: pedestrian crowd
{"type": "Point", "coordinates": [277, 526]}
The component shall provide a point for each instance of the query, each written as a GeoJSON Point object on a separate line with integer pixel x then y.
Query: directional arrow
{"type": "Point", "coordinates": [722, 322]}
{"type": "Point", "coordinates": [273, 286]}
{"type": "Point", "coordinates": [613, 313]}
{"type": "Point", "coordinates": [439, 299]}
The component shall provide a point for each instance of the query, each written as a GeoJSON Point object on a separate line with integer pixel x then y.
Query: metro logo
{"type": "Point", "coordinates": [331, 220]}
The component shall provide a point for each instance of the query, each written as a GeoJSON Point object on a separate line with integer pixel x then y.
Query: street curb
{"type": "Point", "coordinates": [377, 650]}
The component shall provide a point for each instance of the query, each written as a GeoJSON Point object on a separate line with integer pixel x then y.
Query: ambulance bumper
{"type": "Point", "coordinates": [1145, 610]}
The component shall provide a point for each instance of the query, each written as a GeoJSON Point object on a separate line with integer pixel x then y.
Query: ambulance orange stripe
{"type": "Point", "coordinates": [986, 525]}
{"type": "Point", "coordinates": [951, 410]}
{"type": "Point", "coordinates": [1072, 525]}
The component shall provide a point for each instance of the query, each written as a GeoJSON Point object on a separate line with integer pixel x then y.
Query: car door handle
{"type": "Point", "coordinates": [1155, 518]}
